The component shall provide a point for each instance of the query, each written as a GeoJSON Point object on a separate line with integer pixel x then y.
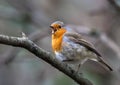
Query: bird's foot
{"type": "Point", "coordinates": [78, 73]}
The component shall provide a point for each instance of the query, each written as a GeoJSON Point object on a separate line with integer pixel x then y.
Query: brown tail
{"type": "Point", "coordinates": [105, 64]}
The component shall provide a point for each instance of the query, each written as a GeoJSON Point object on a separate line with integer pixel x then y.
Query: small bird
{"type": "Point", "coordinates": [71, 48]}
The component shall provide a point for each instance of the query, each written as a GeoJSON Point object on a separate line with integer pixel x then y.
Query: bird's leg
{"type": "Point", "coordinates": [81, 63]}
{"type": "Point", "coordinates": [78, 67]}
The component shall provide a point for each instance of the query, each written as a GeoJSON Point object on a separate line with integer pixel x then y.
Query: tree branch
{"type": "Point", "coordinates": [24, 42]}
{"type": "Point", "coordinates": [11, 53]}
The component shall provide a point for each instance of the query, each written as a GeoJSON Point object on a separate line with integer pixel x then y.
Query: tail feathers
{"type": "Point", "coordinates": [104, 64]}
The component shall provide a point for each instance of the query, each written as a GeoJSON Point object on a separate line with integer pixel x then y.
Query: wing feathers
{"type": "Point", "coordinates": [78, 39]}
{"type": "Point", "coordinates": [75, 37]}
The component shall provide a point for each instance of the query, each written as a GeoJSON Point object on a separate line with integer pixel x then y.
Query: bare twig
{"type": "Point", "coordinates": [46, 56]}
{"type": "Point", "coordinates": [9, 55]}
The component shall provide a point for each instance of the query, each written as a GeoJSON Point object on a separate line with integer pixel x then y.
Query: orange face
{"type": "Point", "coordinates": [55, 27]}
{"type": "Point", "coordinates": [57, 30]}
{"type": "Point", "coordinates": [57, 35]}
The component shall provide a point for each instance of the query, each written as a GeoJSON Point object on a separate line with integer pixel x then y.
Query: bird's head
{"type": "Point", "coordinates": [57, 28]}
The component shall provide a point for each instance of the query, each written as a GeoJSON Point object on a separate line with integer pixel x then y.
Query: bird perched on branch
{"type": "Point", "coordinates": [70, 47]}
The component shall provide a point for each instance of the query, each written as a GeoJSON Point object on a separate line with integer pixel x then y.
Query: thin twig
{"type": "Point", "coordinates": [11, 53]}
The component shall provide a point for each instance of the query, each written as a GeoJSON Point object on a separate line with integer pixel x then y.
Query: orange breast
{"type": "Point", "coordinates": [57, 39]}
{"type": "Point", "coordinates": [56, 43]}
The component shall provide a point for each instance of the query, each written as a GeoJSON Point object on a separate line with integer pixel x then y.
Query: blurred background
{"type": "Point", "coordinates": [97, 20]}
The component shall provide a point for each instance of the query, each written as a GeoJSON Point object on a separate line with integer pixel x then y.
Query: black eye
{"type": "Point", "coordinates": [59, 26]}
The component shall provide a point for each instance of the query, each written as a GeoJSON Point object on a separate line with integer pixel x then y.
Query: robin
{"type": "Point", "coordinates": [71, 48]}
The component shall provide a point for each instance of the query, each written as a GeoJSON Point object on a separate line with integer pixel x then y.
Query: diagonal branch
{"type": "Point", "coordinates": [24, 42]}
{"type": "Point", "coordinates": [11, 53]}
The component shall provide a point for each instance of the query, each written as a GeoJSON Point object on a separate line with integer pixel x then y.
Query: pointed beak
{"type": "Point", "coordinates": [53, 30]}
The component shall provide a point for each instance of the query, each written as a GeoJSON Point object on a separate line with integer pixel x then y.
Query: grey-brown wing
{"type": "Point", "coordinates": [75, 37]}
